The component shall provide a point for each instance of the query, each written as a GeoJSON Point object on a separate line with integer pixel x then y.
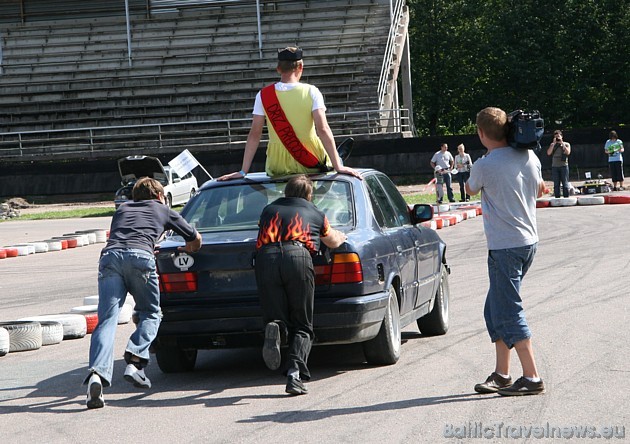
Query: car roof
{"type": "Point", "coordinates": [264, 178]}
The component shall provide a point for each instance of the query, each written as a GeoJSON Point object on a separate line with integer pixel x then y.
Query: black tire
{"type": "Point", "coordinates": [169, 200]}
{"type": "Point", "coordinates": [192, 193]}
{"type": "Point", "coordinates": [384, 349]}
{"type": "Point", "coordinates": [436, 323]}
{"type": "Point", "coordinates": [176, 360]}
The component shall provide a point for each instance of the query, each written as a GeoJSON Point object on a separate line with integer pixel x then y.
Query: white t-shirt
{"type": "Point", "coordinates": [508, 179]}
{"type": "Point", "coordinates": [443, 159]}
{"type": "Point", "coordinates": [316, 95]}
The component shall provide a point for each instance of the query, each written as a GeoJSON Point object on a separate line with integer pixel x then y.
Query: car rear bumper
{"type": "Point", "coordinates": [336, 321]}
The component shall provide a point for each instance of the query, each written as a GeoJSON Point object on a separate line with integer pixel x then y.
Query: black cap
{"type": "Point", "coordinates": [291, 56]}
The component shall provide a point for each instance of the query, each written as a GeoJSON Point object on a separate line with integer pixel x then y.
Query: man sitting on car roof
{"type": "Point", "coordinates": [300, 139]}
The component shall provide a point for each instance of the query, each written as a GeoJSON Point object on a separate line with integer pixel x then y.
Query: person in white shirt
{"type": "Point", "coordinates": [444, 160]}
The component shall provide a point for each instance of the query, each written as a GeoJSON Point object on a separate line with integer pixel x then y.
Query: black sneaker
{"type": "Point", "coordinates": [295, 386]}
{"type": "Point", "coordinates": [271, 347]}
{"type": "Point", "coordinates": [493, 384]}
{"type": "Point", "coordinates": [523, 386]}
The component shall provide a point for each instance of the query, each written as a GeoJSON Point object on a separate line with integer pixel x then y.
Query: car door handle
{"type": "Point", "coordinates": [399, 248]}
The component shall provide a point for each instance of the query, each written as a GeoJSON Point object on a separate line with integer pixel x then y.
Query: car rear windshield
{"type": "Point", "coordinates": [238, 206]}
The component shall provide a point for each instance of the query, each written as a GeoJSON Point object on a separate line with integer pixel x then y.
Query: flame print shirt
{"type": "Point", "coordinates": [292, 219]}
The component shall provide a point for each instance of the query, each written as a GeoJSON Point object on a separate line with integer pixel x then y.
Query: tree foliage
{"type": "Point", "coordinates": [569, 59]}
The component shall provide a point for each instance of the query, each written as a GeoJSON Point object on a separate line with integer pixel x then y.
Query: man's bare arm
{"type": "Point", "coordinates": [334, 238]}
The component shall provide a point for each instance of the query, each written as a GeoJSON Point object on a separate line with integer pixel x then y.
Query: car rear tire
{"type": "Point", "coordinates": [176, 360]}
{"type": "Point", "coordinates": [436, 323]}
{"type": "Point", "coordinates": [384, 349]}
{"type": "Point", "coordinates": [169, 200]}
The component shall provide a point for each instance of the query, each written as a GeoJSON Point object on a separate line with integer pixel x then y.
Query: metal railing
{"type": "Point", "coordinates": [207, 135]}
{"type": "Point", "coordinates": [390, 50]}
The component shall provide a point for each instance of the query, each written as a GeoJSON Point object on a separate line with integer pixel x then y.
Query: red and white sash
{"type": "Point", "coordinates": [284, 130]}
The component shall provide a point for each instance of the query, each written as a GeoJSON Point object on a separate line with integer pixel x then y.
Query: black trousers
{"type": "Point", "coordinates": [462, 178]}
{"type": "Point", "coordinates": [286, 287]}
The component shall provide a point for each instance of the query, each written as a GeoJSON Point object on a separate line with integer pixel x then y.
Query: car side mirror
{"type": "Point", "coordinates": [177, 180]}
{"type": "Point", "coordinates": [421, 213]}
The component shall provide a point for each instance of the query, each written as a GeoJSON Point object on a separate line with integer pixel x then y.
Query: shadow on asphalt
{"type": "Point", "coordinates": [215, 372]}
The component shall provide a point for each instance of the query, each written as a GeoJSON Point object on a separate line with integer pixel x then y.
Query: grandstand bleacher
{"type": "Point", "coordinates": [191, 75]}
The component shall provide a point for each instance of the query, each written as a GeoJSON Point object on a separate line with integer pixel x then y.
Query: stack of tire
{"type": "Point", "coordinates": [31, 333]}
{"type": "Point", "coordinates": [57, 243]}
{"type": "Point", "coordinates": [446, 215]}
{"type": "Point", "coordinates": [583, 200]}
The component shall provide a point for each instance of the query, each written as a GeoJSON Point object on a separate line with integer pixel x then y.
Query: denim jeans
{"type": "Point", "coordinates": [444, 179]}
{"type": "Point", "coordinates": [121, 271]}
{"type": "Point", "coordinates": [503, 312]}
{"type": "Point", "coordinates": [560, 177]}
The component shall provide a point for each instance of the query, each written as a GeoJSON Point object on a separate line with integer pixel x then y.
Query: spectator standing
{"type": "Point", "coordinates": [442, 163]}
{"type": "Point", "coordinates": [463, 163]}
{"type": "Point", "coordinates": [510, 180]}
{"type": "Point", "coordinates": [291, 229]}
{"type": "Point", "coordinates": [559, 150]}
{"type": "Point", "coordinates": [127, 265]}
{"type": "Point", "coordinates": [300, 140]}
{"type": "Point", "coordinates": [614, 148]}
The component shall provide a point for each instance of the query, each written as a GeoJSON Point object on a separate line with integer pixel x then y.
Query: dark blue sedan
{"type": "Point", "coordinates": [391, 271]}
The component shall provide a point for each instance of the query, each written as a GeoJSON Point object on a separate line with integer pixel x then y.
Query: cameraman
{"type": "Point", "coordinates": [560, 151]}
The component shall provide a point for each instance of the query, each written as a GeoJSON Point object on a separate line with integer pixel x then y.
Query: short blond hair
{"type": "Point", "coordinates": [493, 122]}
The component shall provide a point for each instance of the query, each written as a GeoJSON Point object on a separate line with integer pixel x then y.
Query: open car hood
{"type": "Point", "coordinates": [133, 168]}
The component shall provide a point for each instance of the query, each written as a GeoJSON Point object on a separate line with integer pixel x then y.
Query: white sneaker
{"type": "Point", "coordinates": [95, 392]}
{"type": "Point", "coordinates": [137, 377]}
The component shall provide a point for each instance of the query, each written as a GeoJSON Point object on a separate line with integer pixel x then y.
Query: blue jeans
{"type": "Point", "coordinates": [503, 312]}
{"type": "Point", "coordinates": [444, 179]}
{"type": "Point", "coordinates": [121, 271]}
{"type": "Point", "coordinates": [560, 177]}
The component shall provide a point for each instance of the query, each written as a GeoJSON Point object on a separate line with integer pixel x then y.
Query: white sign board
{"type": "Point", "coordinates": [183, 163]}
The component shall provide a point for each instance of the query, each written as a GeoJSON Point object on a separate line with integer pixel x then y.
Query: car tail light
{"type": "Point", "coordinates": [178, 282]}
{"type": "Point", "coordinates": [344, 269]}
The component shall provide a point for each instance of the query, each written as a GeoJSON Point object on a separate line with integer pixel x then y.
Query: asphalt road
{"type": "Point", "coordinates": [576, 297]}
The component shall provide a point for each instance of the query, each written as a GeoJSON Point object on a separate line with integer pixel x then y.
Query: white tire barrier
{"type": "Point", "coordinates": [125, 314]}
{"type": "Point", "coordinates": [23, 335]}
{"type": "Point", "coordinates": [5, 342]}
{"type": "Point", "coordinates": [74, 325]}
{"type": "Point", "coordinates": [53, 244]}
{"type": "Point", "coordinates": [82, 239]}
{"type": "Point", "coordinates": [91, 300]}
{"type": "Point", "coordinates": [101, 236]}
{"type": "Point", "coordinates": [563, 201]}
{"type": "Point", "coordinates": [40, 247]}
{"type": "Point", "coordinates": [52, 332]}
{"type": "Point", "coordinates": [22, 250]}
{"type": "Point", "coordinates": [84, 309]}
{"type": "Point", "coordinates": [591, 200]}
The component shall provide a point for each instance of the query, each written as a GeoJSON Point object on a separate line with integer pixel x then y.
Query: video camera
{"type": "Point", "coordinates": [525, 129]}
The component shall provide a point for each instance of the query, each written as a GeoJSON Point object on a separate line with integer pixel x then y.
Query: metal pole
{"type": "Point", "coordinates": [128, 32]}
{"type": "Point", "coordinates": [259, 30]}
